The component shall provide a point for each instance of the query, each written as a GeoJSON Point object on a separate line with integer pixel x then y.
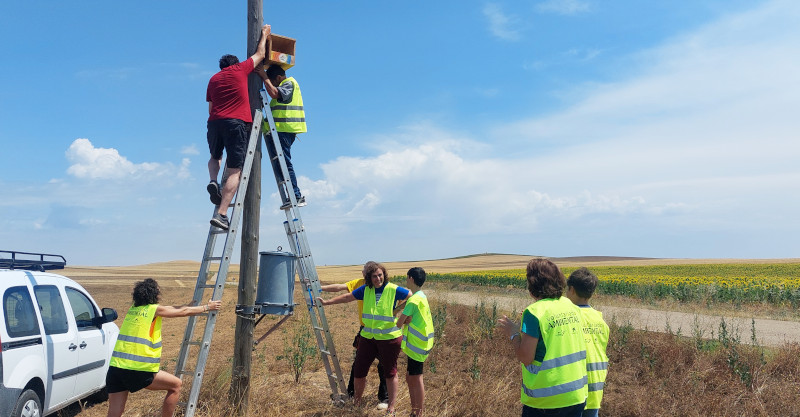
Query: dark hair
{"type": "Point", "coordinates": [227, 60]}
{"type": "Point", "coordinates": [545, 280]}
{"type": "Point", "coordinates": [369, 268]}
{"type": "Point", "coordinates": [418, 275]}
{"type": "Point", "coordinates": [584, 282]}
{"type": "Point", "coordinates": [146, 292]}
{"type": "Point", "coordinates": [275, 70]}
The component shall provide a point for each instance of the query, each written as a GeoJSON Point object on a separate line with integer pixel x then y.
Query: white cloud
{"type": "Point", "coordinates": [89, 162]}
{"type": "Point", "coordinates": [190, 150]}
{"type": "Point", "coordinates": [566, 7]}
{"type": "Point", "coordinates": [501, 25]}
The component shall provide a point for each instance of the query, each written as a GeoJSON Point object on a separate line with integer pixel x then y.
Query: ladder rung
{"type": "Point", "coordinates": [325, 352]}
{"type": "Point", "coordinates": [214, 258]}
{"type": "Point", "coordinates": [317, 328]}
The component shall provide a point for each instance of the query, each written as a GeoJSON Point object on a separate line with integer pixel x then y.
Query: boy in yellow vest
{"type": "Point", "coordinates": [417, 325]}
{"type": "Point", "coordinates": [580, 287]}
{"type": "Point", "coordinates": [290, 119]}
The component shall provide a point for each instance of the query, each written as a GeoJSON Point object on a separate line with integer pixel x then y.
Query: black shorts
{"type": "Point", "coordinates": [415, 367]}
{"type": "Point", "coordinates": [230, 134]}
{"type": "Point", "coordinates": [119, 380]}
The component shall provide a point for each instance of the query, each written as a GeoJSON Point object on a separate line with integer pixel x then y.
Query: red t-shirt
{"type": "Point", "coordinates": [227, 92]}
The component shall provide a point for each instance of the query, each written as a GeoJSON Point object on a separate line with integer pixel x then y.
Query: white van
{"type": "Point", "coordinates": [55, 342]}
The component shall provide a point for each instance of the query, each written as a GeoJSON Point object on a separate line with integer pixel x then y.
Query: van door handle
{"type": "Point", "coordinates": [72, 346]}
{"type": "Point", "coordinates": [83, 345]}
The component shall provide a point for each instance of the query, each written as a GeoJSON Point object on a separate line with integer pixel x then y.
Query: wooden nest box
{"type": "Point", "coordinates": [280, 50]}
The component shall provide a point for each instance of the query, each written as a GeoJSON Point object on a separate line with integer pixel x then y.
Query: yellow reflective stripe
{"type": "Point", "coordinates": [557, 362]}
{"type": "Point", "coordinates": [413, 348]}
{"type": "Point", "coordinates": [556, 389]}
{"type": "Point", "coordinates": [280, 107]}
{"type": "Point", "coordinates": [419, 335]}
{"type": "Point", "coordinates": [377, 317]}
{"type": "Point", "coordinates": [139, 340]}
{"type": "Point", "coordinates": [596, 386]}
{"type": "Point", "coordinates": [135, 358]}
{"type": "Point", "coordinates": [380, 331]}
{"type": "Point", "coordinates": [596, 366]}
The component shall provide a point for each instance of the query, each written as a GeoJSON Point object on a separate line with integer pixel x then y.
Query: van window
{"type": "Point", "coordinates": [20, 315]}
{"type": "Point", "coordinates": [82, 308]}
{"type": "Point", "coordinates": [51, 306]}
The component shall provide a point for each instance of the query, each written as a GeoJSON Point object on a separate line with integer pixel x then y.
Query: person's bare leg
{"type": "Point", "coordinates": [416, 390]}
{"type": "Point", "coordinates": [391, 387]}
{"type": "Point", "coordinates": [358, 389]}
{"type": "Point", "coordinates": [229, 189]}
{"type": "Point", "coordinates": [116, 403]}
{"type": "Point", "coordinates": [213, 168]}
{"type": "Point", "coordinates": [165, 381]}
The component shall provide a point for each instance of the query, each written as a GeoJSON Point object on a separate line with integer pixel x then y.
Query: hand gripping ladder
{"type": "Point", "coordinates": [306, 270]}
{"type": "Point", "coordinates": [203, 285]}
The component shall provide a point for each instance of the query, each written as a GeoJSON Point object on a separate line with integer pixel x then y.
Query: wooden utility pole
{"type": "Point", "coordinates": [248, 272]}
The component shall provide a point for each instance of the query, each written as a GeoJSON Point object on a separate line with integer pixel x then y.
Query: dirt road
{"type": "Point", "coordinates": [768, 332]}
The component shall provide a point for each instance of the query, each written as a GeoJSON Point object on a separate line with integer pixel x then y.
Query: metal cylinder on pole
{"type": "Point", "coordinates": [248, 272]}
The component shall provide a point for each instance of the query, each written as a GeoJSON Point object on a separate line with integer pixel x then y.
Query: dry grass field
{"type": "Point", "coordinates": [470, 372]}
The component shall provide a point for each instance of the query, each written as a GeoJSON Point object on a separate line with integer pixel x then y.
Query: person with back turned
{"type": "Point", "coordinates": [550, 345]}
{"type": "Point", "coordinates": [229, 120]}
{"type": "Point", "coordinates": [580, 287]}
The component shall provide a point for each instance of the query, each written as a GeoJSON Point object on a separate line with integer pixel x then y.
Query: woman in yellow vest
{"type": "Point", "coordinates": [135, 361]}
{"type": "Point", "coordinates": [350, 286]}
{"type": "Point", "coordinates": [380, 337]}
{"type": "Point", "coordinates": [417, 325]}
{"type": "Point", "coordinates": [549, 343]}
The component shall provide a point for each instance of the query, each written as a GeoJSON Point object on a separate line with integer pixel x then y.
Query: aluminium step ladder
{"type": "Point", "coordinates": [202, 287]}
{"type": "Point", "coordinates": [306, 270]}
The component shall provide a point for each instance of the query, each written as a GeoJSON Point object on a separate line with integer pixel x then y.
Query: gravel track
{"type": "Point", "coordinates": [768, 332]}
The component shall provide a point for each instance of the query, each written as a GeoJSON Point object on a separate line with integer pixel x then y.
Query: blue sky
{"type": "Point", "coordinates": [436, 129]}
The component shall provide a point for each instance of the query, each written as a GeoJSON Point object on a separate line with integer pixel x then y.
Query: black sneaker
{"type": "Point", "coordinates": [301, 202]}
{"type": "Point", "coordinates": [221, 221]}
{"type": "Point", "coordinates": [213, 192]}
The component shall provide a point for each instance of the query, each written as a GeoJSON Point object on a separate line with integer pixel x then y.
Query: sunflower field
{"type": "Point", "coordinates": [777, 283]}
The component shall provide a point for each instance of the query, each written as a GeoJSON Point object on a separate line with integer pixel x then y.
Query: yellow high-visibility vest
{"type": "Point", "coordinates": [289, 117]}
{"type": "Point", "coordinates": [418, 334]}
{"type": "Point", "coordinates": [595, 333]}
{"type": "Point", "coordinates": [138, 346]}
{"type": "Point", "coordinates": [560, 379]}
{"type": "Point", "coordinates": [378, 317]}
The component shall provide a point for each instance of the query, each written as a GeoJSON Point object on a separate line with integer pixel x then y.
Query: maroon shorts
{"type": "Point", "coordinates": [386, 351]}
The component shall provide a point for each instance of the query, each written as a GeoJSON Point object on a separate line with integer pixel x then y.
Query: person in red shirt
{"type": "Point", "coordinates": [229, 119]}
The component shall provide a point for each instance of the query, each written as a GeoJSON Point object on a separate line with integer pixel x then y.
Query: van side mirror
{"type": "Point", "coordinates": [109, 315]}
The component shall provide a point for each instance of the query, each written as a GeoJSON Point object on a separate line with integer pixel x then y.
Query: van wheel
{"type": "Point", "coordinates": [28, 405]}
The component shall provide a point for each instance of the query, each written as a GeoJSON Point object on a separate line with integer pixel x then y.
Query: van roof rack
{"type": "Point", "coordinates": [31, 261]}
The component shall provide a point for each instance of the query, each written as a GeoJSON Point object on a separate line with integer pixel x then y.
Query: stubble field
{"type": "Point", "coordinates": [471, 371]}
